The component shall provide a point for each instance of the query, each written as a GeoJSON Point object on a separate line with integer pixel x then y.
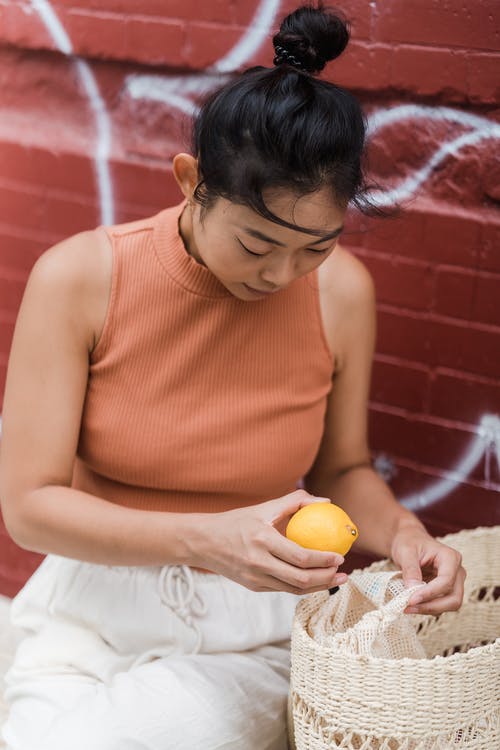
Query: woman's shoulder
{"type": "Point", "coordinates": [345, 279]}
{"type": "Point", "coordinates": [79, 271]}
{"type": "Point", "coordinates": [347, 297]}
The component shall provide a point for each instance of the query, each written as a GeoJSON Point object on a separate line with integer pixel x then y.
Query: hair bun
{"type": "Point", "coordinates": [309, 37]}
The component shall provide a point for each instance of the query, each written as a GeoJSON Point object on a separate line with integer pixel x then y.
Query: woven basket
{"type": "Point", "coordinates": [446, 697]}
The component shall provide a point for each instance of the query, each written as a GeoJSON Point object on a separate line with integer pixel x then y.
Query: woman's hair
{"type": "Point", "coordinates": [282, 128]}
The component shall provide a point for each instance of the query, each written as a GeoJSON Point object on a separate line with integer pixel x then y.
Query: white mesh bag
{"type": "Point", "coordinates": [365, 676]}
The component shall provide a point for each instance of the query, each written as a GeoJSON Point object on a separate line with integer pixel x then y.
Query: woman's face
{"type": "Point", "coordinates": [252, 256]}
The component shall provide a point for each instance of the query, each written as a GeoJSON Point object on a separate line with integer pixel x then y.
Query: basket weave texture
{"type": "Point", "coordinates": [365, 676]}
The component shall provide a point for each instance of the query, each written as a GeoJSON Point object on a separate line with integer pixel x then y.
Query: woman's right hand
{"type": "Point", "coordinates": [248, 545]}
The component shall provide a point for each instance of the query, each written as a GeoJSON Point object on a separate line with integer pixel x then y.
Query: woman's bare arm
{"type": "Point", "coordinates": [47, 377]}
{"type": "Point", "coordinates": [342, 470]}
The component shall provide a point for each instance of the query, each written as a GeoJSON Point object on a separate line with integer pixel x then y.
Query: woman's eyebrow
{"type": "Point", "coordinates": [261, 236]}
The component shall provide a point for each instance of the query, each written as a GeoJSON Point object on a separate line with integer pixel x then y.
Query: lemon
{"type": "Point", "coordinates": [322, 526]}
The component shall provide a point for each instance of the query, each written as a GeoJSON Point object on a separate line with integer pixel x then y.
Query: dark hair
{"type": "Point", "coordinates": [280, 127]}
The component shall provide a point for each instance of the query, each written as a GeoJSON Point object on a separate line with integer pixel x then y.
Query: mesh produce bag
{"type": "Point", "coordinates": [365, 676]}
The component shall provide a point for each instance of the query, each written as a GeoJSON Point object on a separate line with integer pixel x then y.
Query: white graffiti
{"type": "Point", "coordinates": [177, 91]}
{"type": "Point", "coordinates": [485, 445]}
{"type": "Point", "coordinates": [180, 92]}
{"type": "Point", "coordinates": [482, 129]}
{"type": "Point", "coordinates": [97, 104]}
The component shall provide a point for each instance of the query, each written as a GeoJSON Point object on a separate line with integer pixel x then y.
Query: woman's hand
{"type": "Point", "coordinates": [423, 559]}
{"type": "Point", "coordinates": [248, 545]}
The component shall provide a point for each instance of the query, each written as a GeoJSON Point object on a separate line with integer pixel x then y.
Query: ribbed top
{"type": "Point", "coordinates": [196, 400]}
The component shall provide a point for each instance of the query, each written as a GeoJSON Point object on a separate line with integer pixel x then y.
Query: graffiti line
{"type": "Point", "coordinates": [176, 90]}
{"type": "Point", "coordinates": [482, 130]}
{"type": "Point", "coordinates": [250, 42]}
{"type": "Point", "coordinates": [53, 25]}
{"type": "Point", "coordinates": [384, 117]}
{"type": "Point", "coordinates": [103, 125]}
{"type": "Point", "coordinates": [487, 439]}
{"type": "Point", "coordinates": [410, 186]}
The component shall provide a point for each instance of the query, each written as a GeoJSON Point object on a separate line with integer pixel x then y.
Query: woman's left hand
{"type": "Point", "coordinates": [423, 559]}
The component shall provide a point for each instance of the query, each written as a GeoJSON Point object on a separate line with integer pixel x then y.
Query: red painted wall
{"type": "Point", "coordinates": [435, 411]}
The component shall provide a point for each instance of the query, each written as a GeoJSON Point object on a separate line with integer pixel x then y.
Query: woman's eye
{"type": "Point", "coordinates": [247, 250]}
{"type": "Point", "coordinates": [319, 252]}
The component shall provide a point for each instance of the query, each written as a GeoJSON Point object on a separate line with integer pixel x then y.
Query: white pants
{"type": "Point", "coordinates": [147, 658]}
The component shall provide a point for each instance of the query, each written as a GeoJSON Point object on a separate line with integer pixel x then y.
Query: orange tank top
{"type": "Point", "coordinates": [198, 401]}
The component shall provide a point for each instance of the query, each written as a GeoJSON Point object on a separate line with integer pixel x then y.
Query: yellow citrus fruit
{"type": "Point", "coordinates": [322, 526]}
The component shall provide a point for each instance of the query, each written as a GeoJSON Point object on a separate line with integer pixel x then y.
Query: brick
{"type": "Point", "coordinates": [434, 342]}
{"type": "Point", "coordinates": [20, 25]}
{"type": "Point", "coordinates": [462, 346]}
{"type": "Point", "coordinates": [32, 81]}
{"type": "Point", "coordinates": [53, 169]}
{"type": "Point", "coordinates": [12, 286]}
{"type": "Point", "coordinates": [483, 83]}
{"type": "Point", "coordinates": [489, 257]}
{"type": "Point", "coordinates": [151, 41]}
{"type": "Point", "coordinates": [19, 253]}
{"type": "Point", "coordinates": [215, 10]}
{"type": "Point", "coordinates": [429, 72]}
{"type": "Point", "coordinates": [207, 44]}
{"type": "Point", "coordinates": [455, 292]}
{"type": "Point", "coordinates": [160, 8]}
{"type": "Point", "coordinates": [144, 184]}
{"type": "Point", "coordinates": [487, 299]}
{"type": "Point", "coordinates": [458, 180]}
{"type": "Point", "coordinates": [453, 511]}
{"type": "Point", "coordinates": [3, 377]}
{"type": "Point", "coordinates": [398, 384]}
{"type": "Point", "coordinates": [220, 11]}
{"type": "Point", "coordinates": [16, 564]}
{"type": "Point", "coordinates": [244, 12]}
{"type": "Point", "coordinates": [401, 282]}
{"type": "Point", "coordinates": [362, 67]}
{"type": "Point", "coordinates": [490, 177]}
{"type": "Point", "coordinates": [67, 217]}
{"type": "Point", "coordinates": [7, 323]}
{"type": "Point", "coordinates": [155, 43]}
{"type": "Point", "coordinates": [61, 216]}
{"type": "Point", "coordinates": [458, 23]}
{"type": "Point", "coordinates": [453, 393]}
{"type": "Point", "coordinates": [403, 335]}
{"type": "Point", "coordinates": [419, 440]}
{"type": "Point", "coordinates": [402, 235]}
{"type": "Point", "coordinates": [97, 35]}
{"type": "Point", "coordinates": [451, 237]}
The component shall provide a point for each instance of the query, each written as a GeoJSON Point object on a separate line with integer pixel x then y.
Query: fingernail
{"type": "Point", "coordinates": [338, 560]}
{"type": "Point", "coordinates": [341, 578]}
{"type": "Point", "coordinates": [411, 610]}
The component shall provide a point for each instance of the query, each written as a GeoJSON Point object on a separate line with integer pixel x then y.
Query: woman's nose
{"type": "Point", "coordinates": [280, 274]}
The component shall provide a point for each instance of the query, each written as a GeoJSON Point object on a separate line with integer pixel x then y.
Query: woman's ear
{"type": "Point", "coordinates": [185, 169]}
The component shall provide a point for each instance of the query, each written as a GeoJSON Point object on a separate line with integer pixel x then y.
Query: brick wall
{"type": "Point", "coordinates": [89, 139]}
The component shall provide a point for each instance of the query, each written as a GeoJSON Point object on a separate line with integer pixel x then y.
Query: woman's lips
{"type": "Point", "coordinates": [259, 291]}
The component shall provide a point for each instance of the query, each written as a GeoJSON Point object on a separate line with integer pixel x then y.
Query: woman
{"type": "Point", "coordinates": [171, 381]}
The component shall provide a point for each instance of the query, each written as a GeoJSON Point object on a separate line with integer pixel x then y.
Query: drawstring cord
{"type": "Point", "coordinates": [176, 590]}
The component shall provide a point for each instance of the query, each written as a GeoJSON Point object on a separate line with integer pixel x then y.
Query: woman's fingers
{"type": "Point", "coordinates": [448, 583]}
{"type": "Point", "coordinates": [438, 596]}
{"type": "Point", "coordinates": [273, 583]}
{"type": "Point", "coordinates": [300, 557]}
{"type": "Point", "coordinates": [304, 570]}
